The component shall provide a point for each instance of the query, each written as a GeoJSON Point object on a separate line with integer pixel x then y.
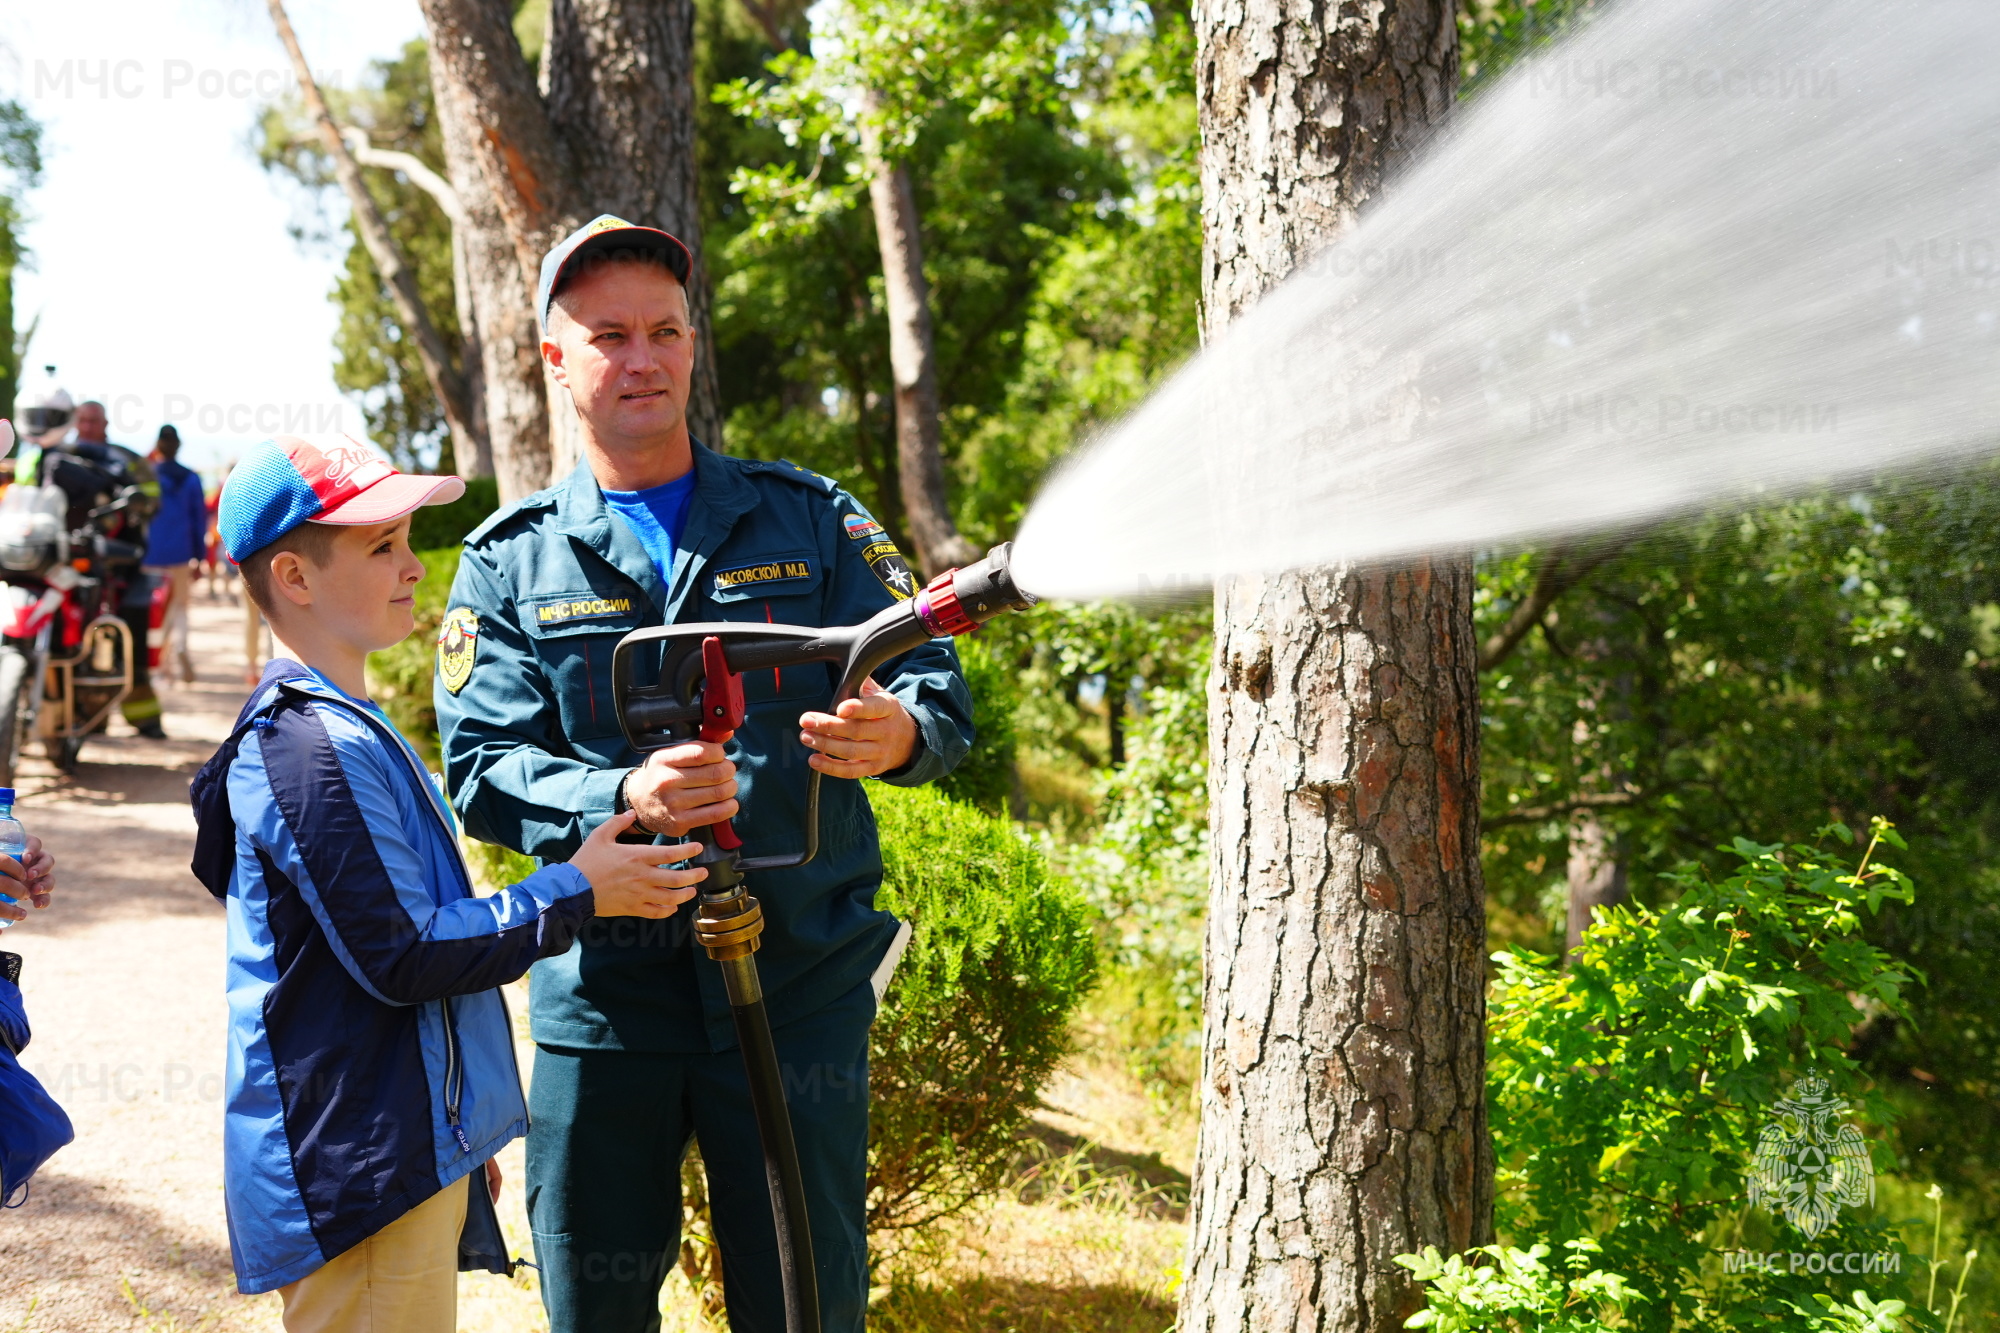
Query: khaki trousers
{"type": "Point", "coordinates": [402, 1279]}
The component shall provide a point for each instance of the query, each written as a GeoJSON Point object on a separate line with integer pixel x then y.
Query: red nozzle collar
{"type": "Point", "coordinates": [938, 608]}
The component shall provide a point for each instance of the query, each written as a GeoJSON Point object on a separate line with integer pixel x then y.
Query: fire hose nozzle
{"type": "Point", "coordinates": [960, 600]}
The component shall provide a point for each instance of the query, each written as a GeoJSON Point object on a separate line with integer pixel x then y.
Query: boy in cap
{"type": "Point", "coordinates": [371, 1074]}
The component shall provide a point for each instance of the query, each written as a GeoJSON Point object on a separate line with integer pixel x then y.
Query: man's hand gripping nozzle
{"type": "Point", "coordinates": [694, 687]}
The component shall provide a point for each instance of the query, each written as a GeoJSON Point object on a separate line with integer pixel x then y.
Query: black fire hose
{"type": "Point", "coordinates": [696, 690]}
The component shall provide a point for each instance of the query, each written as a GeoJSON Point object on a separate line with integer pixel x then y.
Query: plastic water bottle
{"type": "Point", "coordinates": [13, 839]}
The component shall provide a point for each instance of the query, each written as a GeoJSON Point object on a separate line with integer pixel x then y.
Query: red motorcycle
{"type": "Point", "coordinates": [72, 536]}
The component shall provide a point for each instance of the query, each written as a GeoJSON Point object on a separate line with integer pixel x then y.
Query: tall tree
{"type": "Point", "coordinates": [391, 128]}
{"type": "Point", "coordinates": [446, 382]}
{"type": "Point", "coordinates": [20, 170]}
{"type": "Point", "coordinates": [609, 129]}
{"type": "Point", "coordinates": [1342, 1100]}
{"type": "Point", "coordinates": [882, 73]}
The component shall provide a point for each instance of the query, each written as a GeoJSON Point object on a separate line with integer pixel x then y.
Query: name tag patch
{"type": "Point", "coordinates": [581, 608]}
{"type": "Point", "coordinates": [771, 571]}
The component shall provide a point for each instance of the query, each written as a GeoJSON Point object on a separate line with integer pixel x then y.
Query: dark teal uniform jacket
{"type": "Point", "coordinates": [534, 754]}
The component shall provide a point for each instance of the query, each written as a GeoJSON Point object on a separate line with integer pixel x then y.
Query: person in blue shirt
{"type": "Point", "coordinates": [636, 1049]}
{"type": "Point", "coordinates": [176, 540]}
{"type": "Point", "coordinates": [371, 1059]}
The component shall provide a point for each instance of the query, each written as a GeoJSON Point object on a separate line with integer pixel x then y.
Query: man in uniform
{"type": "Point", "coordinates": [635, 1043]}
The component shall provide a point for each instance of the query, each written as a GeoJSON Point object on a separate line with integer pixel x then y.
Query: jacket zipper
{"type": "Point", "coordinates": [454, 1079]}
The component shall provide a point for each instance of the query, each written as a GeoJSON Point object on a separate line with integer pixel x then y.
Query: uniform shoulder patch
{"type": "Point", "coordinates": [457, 647]}
{"type": "Point", "coordinates": [860, 527]}
{"type": "Point", "coordinates": [890, 567]}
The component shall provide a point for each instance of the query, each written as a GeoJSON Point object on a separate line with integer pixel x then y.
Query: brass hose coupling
{"type": "Point", "coordinates": [731, 927]}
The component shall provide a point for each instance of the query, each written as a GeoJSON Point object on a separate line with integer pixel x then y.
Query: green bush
{"type": "Point", "coordinates": [435, 527]}
{"type": "Point", "coordinates": [1631, 1094]}
{"type": "Point", "coordinates": [986, 777]}
{"type": "Point", "coordinates": [977, 1016]}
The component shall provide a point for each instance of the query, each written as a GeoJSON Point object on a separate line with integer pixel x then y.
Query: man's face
{"type": "Point", "coordinates": [620, 340]}
{"type": "Point", "coordinates": [90, 423]}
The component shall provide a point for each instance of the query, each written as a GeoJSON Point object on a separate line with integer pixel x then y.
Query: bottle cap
{"type": "Point", "coordinates": [6, 796]}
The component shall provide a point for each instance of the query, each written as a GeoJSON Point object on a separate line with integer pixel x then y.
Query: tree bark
{"type": "Point", "coordinates": [516, 404]}
{"type": "Point", "coordinates": [447, 386]}
{"type": "Point", "coordinates": [1596, 872]}
{"type": "Point", "coordinates": [610, 130]}
{"type": "Point", "coordinates": [912, 356]}
{"type": "Point", "coordinates": [618, 80]}
{"type": "Point", "coordinates": [1343, 1113]}
{"type": "Point", "coordinates": [471, 357]}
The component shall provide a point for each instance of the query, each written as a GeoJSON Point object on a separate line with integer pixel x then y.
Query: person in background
{"type": "Point", "coordinates": [221, 567]}
{"type": "Point", "coordinates": [135, 606]}
{"type": "Point", "coordinates": [214, 568]}
{"type": "Point", "coordinates": [175, 540]}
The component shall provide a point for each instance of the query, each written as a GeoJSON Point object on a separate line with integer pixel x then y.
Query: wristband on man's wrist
{"type": "Point", "coordinates": [621, 803]}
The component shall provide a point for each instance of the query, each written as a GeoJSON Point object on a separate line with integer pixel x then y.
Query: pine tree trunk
{"type": "Point", "coordinates": [614, 134]}
{"type": "Point", "coordinates": [912, 359]}
{"type": "Point", "coordinates": [517, 407]}
{"type": "Point", "coordinates": [1343, 1114]}
{"type": "Point", "coordinates": [1596, 872]}
{"type": "Point", "coordinates": [618, 80]}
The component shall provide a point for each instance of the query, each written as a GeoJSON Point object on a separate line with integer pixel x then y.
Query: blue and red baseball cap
{"type": "Point", "coordinates": [605, 232]}
{"type": "Point", "coordinates": [289, 480]}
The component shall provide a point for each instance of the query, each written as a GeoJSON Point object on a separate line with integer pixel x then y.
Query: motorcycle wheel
{"type": "Point", "coordinates": [15, 680]}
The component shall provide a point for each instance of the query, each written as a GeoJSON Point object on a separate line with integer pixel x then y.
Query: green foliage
{"type": "Point", "coordinates": [986, 776]}
{"type": "Point", "coordinates": [1517, 1292]}
{"type": "Point", "coordinates": [1493, 34]}
{"type": "Point", "coordinates": [1778, 667]}
{"type": "Point", "coordinates": [435, 527]}
{"type": "Point", "coordinates": [1628, 1093]}
{"type": "Point", "coordinates": [21, 163]}
{"type": "Point", "coordinates": [1032, 135]}
{"type": "Point", "coordinates": [977, 1015]}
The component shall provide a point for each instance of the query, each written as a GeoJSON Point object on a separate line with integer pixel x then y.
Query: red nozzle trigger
{"type": "Point", "coordinates": [721, 714]}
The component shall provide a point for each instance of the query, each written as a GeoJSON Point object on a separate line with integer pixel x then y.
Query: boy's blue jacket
{"type": "Point", "coordinates": [371, 1060]}
{"type": "Point", "coordinates": [534, 755]}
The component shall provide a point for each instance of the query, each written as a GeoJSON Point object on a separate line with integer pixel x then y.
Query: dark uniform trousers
{"type": "Point", "coordinates": [609, 1129]}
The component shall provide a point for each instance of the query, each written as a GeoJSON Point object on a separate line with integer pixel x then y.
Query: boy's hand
{"type": "Point", "coordinates": [627, 878]}
{"type": "Point", "coordinates": [873, 734]}
{"type": "Point", "coordinates": [493, 1177]}
{"type": "Point", "coordinates": [685, 787]}
{"type": "Point", "coordinates": [30, 879]}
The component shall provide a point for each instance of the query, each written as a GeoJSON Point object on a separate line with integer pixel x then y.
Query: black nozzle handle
{"type": "Point", "coordinates": [987, 588]}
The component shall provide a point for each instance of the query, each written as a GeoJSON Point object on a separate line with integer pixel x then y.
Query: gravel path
{"type": "Point", "coordinates": [123, 978]}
